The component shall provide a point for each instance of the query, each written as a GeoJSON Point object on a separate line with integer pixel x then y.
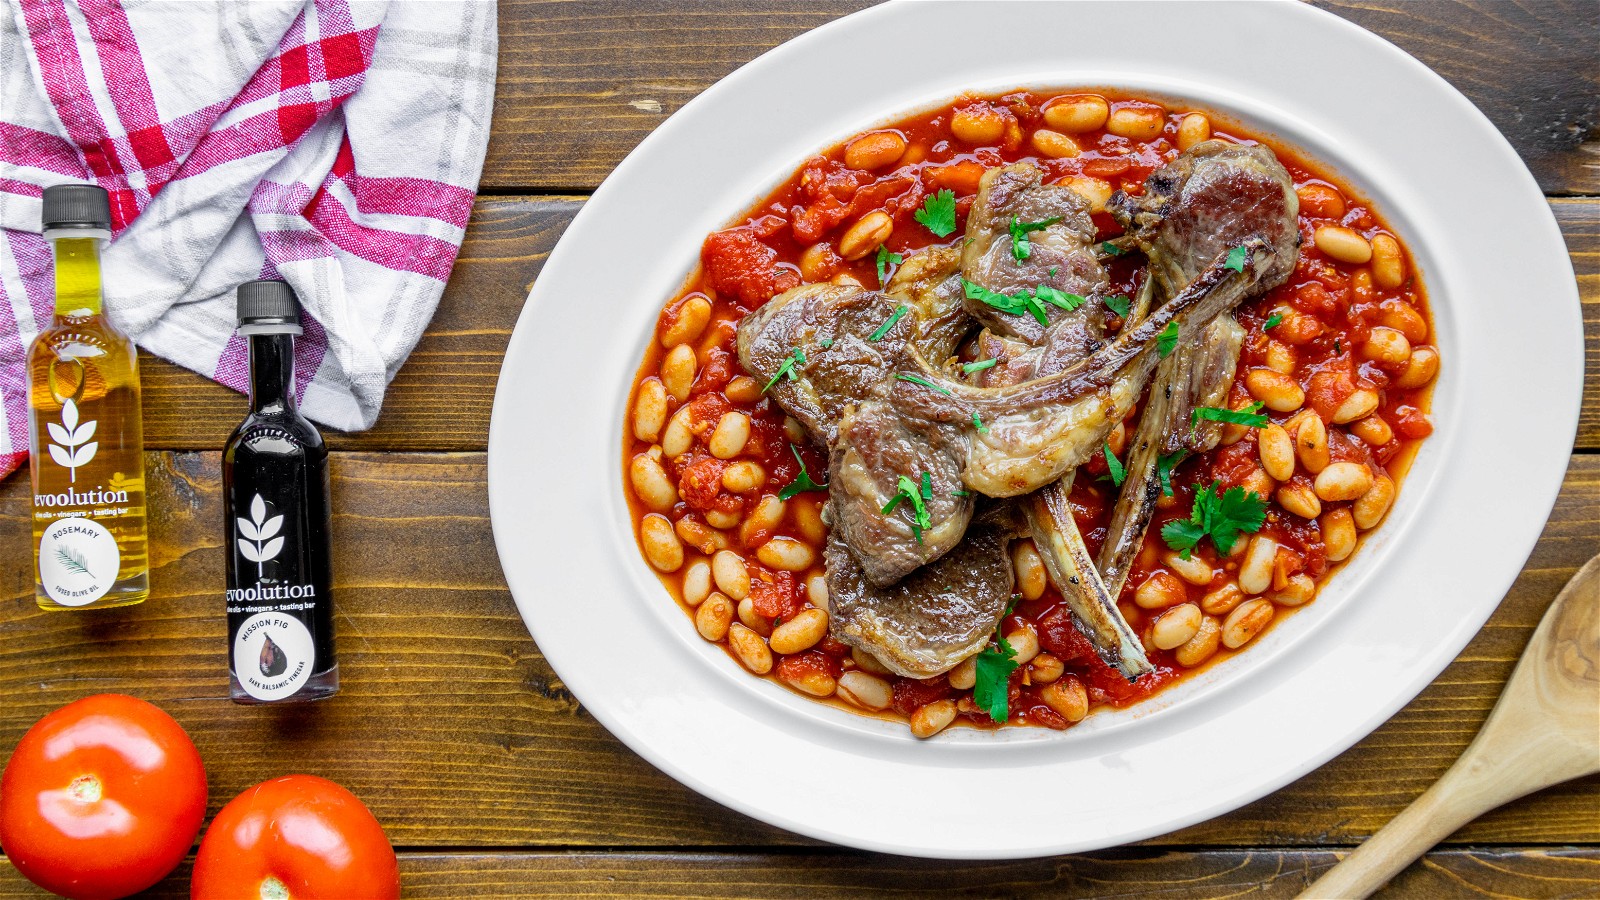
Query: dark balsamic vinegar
{"type": "Point", "coordinates": [278, 522]}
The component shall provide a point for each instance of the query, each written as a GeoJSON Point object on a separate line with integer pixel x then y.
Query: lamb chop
{"type": "Point", "coordinates": [1203, 202]}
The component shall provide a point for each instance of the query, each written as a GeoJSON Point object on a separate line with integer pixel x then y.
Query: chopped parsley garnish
{"type": "Point", "coordinates": [1235, 260]}
{"type": "Point", "coordinates": [960, 494]}
{"type": "Point", "coordinates": [802, 482]}
{"type": "Point", "coordinates": [888, 323]}
{"type": "Point", "coordinates": [1020, 248]}
{"type": "Point", "coordinates": [795, 358]}
{"type": "Point", "coordinates": [925, 383]}
{"type": "Point", "coordinates": [1110, 249]}
{"type": "Point", "coordinates": [994, 665]}
{"type": "Point", "coordinates": [1058, 298]}
{"type": "Point", "coordinates": [938, 212]}
{"type": "Point", "coordinates": [978, 424]}
{"type": "Point", "coordinates": [1250, 415]}
{"type": "Point", "coordinates": [886, 259]}
{"type": "Point", "coordinates": [1118, 473]}
{"type": "Point", "coordinates": [1336, 347]}
{"type": "Point", "coordinates": [1164, 466]}
{"type": "Point", "coordinates": [908, 491]}
{"type": "Point", "coordinates": [927, 486]}
{"type": "Point", "coordinates": [1119, 305]}
{"type": "Point", "coordinates": [1273, 321]}
{"type": "Point", "coordinates": [1011, 304]}
{"type": "Point", "coordinates": [1167, 340]}
{"type": "Point", "coordinates": [1220, 514]}
{"type": "Point", "coordinates": [980, 365]}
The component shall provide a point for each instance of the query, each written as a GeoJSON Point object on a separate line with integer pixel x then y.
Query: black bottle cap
{"type": "Point", "coordinates": [76, 206]}
{"type": "Point", "coordinates": [268, 303]}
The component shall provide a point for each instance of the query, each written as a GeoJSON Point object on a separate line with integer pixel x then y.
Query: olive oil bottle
{"type": "Point", "coordinates": [278, 516]}
{"type": "Point", "coordinates": [86, 443]}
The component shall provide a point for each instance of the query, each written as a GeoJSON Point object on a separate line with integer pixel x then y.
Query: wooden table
{"type": "Point", "coordinates": [492, 780]}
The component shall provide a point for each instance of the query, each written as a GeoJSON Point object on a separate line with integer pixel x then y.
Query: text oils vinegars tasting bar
{"type": "Point", "coordinates": [87, 465]}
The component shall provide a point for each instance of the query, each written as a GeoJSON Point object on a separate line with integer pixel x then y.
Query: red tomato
{"type": "Point", "coordinates": [102, 798]}
{"type": "Point", "coordinates": [297, 836]}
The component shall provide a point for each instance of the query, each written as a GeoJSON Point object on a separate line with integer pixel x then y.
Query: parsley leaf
{"type": "Point", "coordinates": [1118, 305]}
{"type": "Point", "coordinates": [1273, 321]}
{"type": "Point", "coordinates": [885, 259]}
{"type": "Point", "coordinates": [1020, 248]}
{"type": "Point", "coordinates": [1250, 415]}
{"type": "Point", "coordinates": [978, 424]}
{"type": "Point", "coordinates": [1058, 298]}
{"type": "Point", "coordinates": [1164, 466]}
{"type": "Point", "coordinates": [1011, 304]}
{"type": "Point", "coordinates": [888, 323]}
{"type": "Point", "coordinates": [938, 212]}
{"type": "Point", "coordinates": [1167, 340]}
{"type": "Point", "coordinates": [1111, 249]}
{"type": "Point", "coordinates": [795, 358]}
{"type": "Point", "coordinates": [1221, 514]}
{"type": "Point", "coordinates": [925, 383]}
{"type": "Point", "coordinates": [1235, 260]}
{"type": "Point", "coordinates": [1118, 473]}
{"type": "Point", "coordinates": [908, 490]}
{"type": "Point", "coordinates": [802, 482]}
{"type": "Point", "coordinates": [980, 365]}
{"type": "Point", "coordinates": [992, 689]}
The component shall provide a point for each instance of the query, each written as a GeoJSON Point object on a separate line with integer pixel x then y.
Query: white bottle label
{"type": "Point", "coordinates": [78, 561]}
{"type": "Point", "coordinates": [272, 655]}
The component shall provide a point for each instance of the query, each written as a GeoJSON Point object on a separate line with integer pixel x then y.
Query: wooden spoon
{"type": "Point", "coordinates": [1544, 730]}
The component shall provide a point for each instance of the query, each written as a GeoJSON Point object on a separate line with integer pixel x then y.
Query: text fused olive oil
{"type": "Point", "coordinates": [86, 444]}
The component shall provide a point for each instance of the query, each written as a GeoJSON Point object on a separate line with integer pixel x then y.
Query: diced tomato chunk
{"type": "Point", "coordinates": [911, 695]}
{"type": "Point", "coordinates": [741, 266]}
{"type": "Point", "coordinates": [774, 593]}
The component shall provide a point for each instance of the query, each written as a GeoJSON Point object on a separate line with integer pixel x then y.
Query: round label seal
{"type": "Point", "coordinates": [78, 561]}
{"type": "Point", "coordinates": [272, 655]}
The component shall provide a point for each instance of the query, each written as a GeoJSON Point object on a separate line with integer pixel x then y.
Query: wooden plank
{"type": "Point", "coordinates": [1174, 874]}
{"type": "Point", "coordinates": [458, 734]}
{"type": "Point", "coordinates": [581, 83]}
{"type": "Point", "coordinates": [442, 397]}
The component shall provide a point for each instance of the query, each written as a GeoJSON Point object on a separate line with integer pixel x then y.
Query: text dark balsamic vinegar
{"type": "Point", "coordinates": [276, 494]}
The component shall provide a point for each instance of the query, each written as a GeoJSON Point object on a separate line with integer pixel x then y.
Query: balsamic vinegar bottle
{"type": "Point", "coordinates": [278, 517]}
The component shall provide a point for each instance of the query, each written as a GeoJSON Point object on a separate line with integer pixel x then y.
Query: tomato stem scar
{"type": "Point", "coordinates": [273, 889]}
{"type": "Point", "coordinates": [86, 788]}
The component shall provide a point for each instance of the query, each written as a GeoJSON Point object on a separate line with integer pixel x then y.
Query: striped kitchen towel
{"type": "Point", "coordinates": [336, 145]}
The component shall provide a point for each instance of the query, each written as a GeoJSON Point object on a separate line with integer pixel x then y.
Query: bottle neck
{"type": "Point", "coordinates": [77, 257]}
{"type": "Point", "coordinates": [272, 372]}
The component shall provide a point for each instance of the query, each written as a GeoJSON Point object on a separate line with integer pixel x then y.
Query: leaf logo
{"type": "Point", "coordinates": [72, 447]}
{"type": "Point", "coordinates": [260, 541]}
{"type": "Point", "coordinates": [73, 562]}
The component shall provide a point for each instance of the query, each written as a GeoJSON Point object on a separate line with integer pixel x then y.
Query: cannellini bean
{"type": "Point", "coordinates": [678, 371]}
{"type": "Point", "coordinates": [1118, 438]}
{"type": "Point", "coordinates": [1388, 265]}
{"type": "Point", "coordinates": [678, 438]}
{"type": "Point", "coordinates": [743, 476]}
{"type": "Point", "coordinates": [1281, 358]}
{"type": "Point", "coordinates": [978, 124]}
{"type": "Point", "coordinates": [1404, 318]}
{"type": "Point", "coordinates": [865, 691]}
{"type": "Point", "coordinates": [722, 518]}
{"type": "Point", "coordinates": [689, 323]}
{"type": "Point", "coordinates": [1044, 669]}
{"type": "Point", "coordinates": [817, 591]}
{"type": "Point", "coordinates": [1300, 499]}
{"type": "Point", "coordinates": [1370, 508]}
{"type": "Point", "coordinates": [743, 389]}
{"type": "Point", "coordinates": [731, 574]}
{"type": "Point", "coordinates": [650, 482]}
{"type": "Point", "coordinates": [1311, 443]}
{"type": "Point", "coordinates": [1067, 697]}
{"type": "Point", "coordinates": [1373, 429]}
{"type": "Point", "coordinates": [1222, 600]}
{"type": "Point", "coordinates": [964, 675]}
{"type": "Point", "coordinates": [809, 681]}
{"type": "Point", "coordinates": [751, 619]}
{"type": "Point", "coordinates": [1278, 391]}
{"type": "Point", "coordinates": [874, 150]}
{"type": "Point", "coordinates": [1077, 114]}
{"type": "Point", "coordinates": [649, 410]}
{"type": "Point", "coordinates": [1343, 244]}
{"type": "Point", "coordinates": [1343, 481]}
{"type": "Point", "coordinates": [1194, 129]}
{"type": "Point", "coordinates": [802, 632]}
{"type": "Point", "coordinates": [713, 617]}
{"type": "Point", "coordinates": [1259, 483]}
{"type": "Point", "coordinates": [1194, 570]}
{"type": "Point", "coordinates": [1202, 646]}
{"type": "Point", "coordinates": [1255, 573]}
{"type": "Point", "coordinates": [1094, 190]}
{"type": "Point", "coordinates": [1174, 628]}
{"type": "Point", "coordinates": [1338, 533]}
{"type": "Point", "coordinates": [845, 279]}
{"type": "Point", "coordinates": [697, 582]}
{"type": "Point", "coordinates": [763, 519]}
{"type": "Point", "coordinates": [750, 649]}
{"type": "Point", "coordinates": [1420, 369]}
{"type": "Point", "coordinates": [807, 518]}
{"type": "Point", "coordinates": [1277, 452]}
{"type": "Point", "coordinates": [1245, 622]}
{"type": "Point", "coordinates": [1025, 643]}
{"type": "Point", "coordinates": [1029, 569]}
{"type": "Point", "coordinates": [729, 437]}
{"type": "Point", "coordinates": [698, 535]}
{"type": "Point", "coordinates": [933, 718]}
{"type": "Point", "coordinates": [866, 235]}
{"type": "Point", "coordinates": [661, 545]}
{"type": "Point", "coordinates": [818, 262]}
{"type": "Point", "coordinates": [1360, 403]}
{"type": "Point", "coordinates": [1159, 591]}
{"type": "Point", "coordinates": [1361, 285]}
{"type": "Point", "coordinates": [793, 430]}
{"type": "Point", "coordinates": [868, 662]}
{"type": "Point", "coordinates": [1298, 592]}
{"type": "Point", "coordinates": [1054, 144]}
{"type": "Point", "coordinates": [787, 554]}
{"type": "Point", "coordinates": [1136, 123]}
{"type": "Point", "coordinates": [1321, 201]}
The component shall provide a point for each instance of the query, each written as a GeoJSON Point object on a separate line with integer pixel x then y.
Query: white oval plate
{"type": "Point", "coordinates": [1506, 407]}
